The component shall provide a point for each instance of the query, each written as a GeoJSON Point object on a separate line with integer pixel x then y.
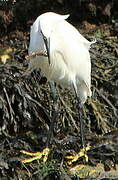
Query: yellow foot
{"type": "Point", "coordinates": [82, 153]}
{"type": "Point", "coordinates": [36, 156]}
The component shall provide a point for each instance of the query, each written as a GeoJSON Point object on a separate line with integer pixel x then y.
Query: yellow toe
{"type": "Point", "coordinates": [82, 153]}
{"type": "Point", "coordinates": [36, 156]}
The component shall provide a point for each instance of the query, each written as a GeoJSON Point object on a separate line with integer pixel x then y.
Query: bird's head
{"type": "Point", "coordinates": [48, 21]}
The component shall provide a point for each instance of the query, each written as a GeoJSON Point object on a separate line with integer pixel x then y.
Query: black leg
{"type": "Point", "coordinates": [54, 114]}
{"type": "Point", "coordinates": [45, 152]}
{"type": "Point", "coordinates": [81, 127]}
{"type": "Point", "coordinates": [80, 109]}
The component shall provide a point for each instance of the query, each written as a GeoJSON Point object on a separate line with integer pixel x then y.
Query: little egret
{"type": "Point", "coordinates": [67, 62]}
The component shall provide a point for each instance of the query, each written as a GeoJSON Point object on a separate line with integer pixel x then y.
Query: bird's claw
{"type": "Point", "coordinates": [36, 156]}
{"type": "Point", "coordinates": [82, 153]}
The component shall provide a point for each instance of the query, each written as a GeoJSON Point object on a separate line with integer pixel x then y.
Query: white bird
{"type": "Point", "coordinates": [68, 62]}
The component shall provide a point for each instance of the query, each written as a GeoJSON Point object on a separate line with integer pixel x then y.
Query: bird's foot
{"type": "Point", "coordinates": [82, 153]}
{"type": "Point", "coordinates": [36, 156]}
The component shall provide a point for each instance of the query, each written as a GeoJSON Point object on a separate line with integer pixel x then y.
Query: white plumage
{"type": "Point", "coordinates": [70, 63]}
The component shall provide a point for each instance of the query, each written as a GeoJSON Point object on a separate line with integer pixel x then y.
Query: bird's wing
{"type": "Point", "coordinates": [71, 55]}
